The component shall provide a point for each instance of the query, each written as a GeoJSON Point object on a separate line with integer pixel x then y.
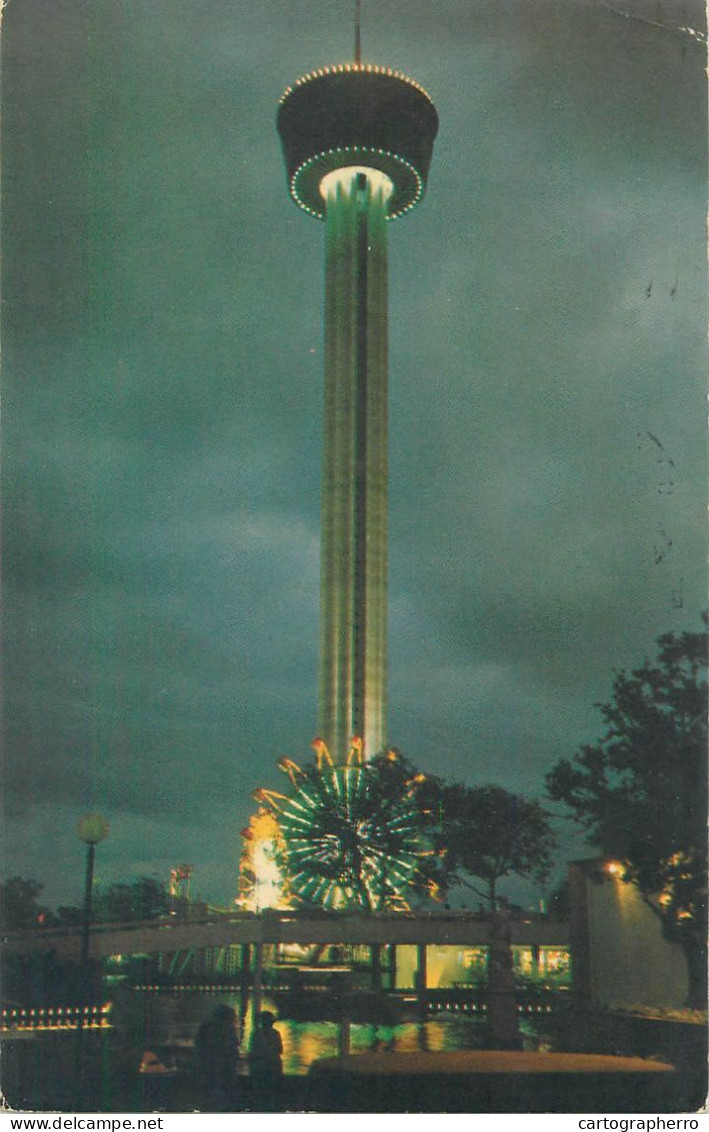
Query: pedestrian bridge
{"type": "Point", "coordinates": [176, 933]}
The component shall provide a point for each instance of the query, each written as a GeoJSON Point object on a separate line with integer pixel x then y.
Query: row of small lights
{"type": "Point", "coordinates": [217, 988]}
{"type": "Point", "coordinates": [56, 1018]}
{"type": "Point", "coordinates": [481, 1007]}
{"type": "Point", "coordinates": [453, 1007]}
{"type": "Point", "coordinates": [461, 1008]}
{"type": "Point", "coordinates": [349, 68]}
{"type": "Point", "coordinates": [63, 1017]}
{"type": "Point", "coordinates": [211, 988]}
{"type": "Point", "coordinates": [355, 149]}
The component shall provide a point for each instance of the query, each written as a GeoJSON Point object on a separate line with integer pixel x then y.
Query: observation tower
{"type": "Point", "coordinates": [357, 141]}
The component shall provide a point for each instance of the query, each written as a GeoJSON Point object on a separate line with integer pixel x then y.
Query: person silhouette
{"type": "Point", "coordinates": [265, 1050]}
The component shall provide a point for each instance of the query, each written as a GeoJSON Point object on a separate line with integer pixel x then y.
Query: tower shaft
{"type": "Point", "coordinates": [353, 597]}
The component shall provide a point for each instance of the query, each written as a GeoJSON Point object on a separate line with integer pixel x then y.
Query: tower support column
{"type": "Point", "coordinates": [353, 605]}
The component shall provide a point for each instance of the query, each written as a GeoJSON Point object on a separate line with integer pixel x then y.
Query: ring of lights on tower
{"type": "Point", "coordinates": [357, 115]}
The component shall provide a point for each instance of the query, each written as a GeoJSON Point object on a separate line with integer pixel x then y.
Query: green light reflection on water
{"type": "Point", "coordinates": [304, 1042]}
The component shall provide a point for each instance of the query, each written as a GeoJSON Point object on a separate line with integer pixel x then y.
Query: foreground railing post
{"type": "Point", "coordinates": [375, 952]}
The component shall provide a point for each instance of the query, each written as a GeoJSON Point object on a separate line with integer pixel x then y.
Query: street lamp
{"type": "Point", "coordinates": [90, 828]}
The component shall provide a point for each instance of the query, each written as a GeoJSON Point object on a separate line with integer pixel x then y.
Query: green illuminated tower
{"type": "Point", "coordinates": [357, 141]}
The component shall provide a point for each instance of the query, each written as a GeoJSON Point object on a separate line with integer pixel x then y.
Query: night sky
{"type": "Point", "coordinates": [162, 356]}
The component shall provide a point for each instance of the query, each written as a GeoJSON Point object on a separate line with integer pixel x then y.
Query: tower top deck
{"type": "Point", "coordinates": [357, 114]}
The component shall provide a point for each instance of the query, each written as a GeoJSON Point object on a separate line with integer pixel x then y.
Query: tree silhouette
{"type": "Point", "coordinates": [19, 908]}
{"type": "Point", "coordinates": [641, 791]}
{"type": "Point", "coordinates": [489, 833]}
{"type": "Point", "coordinates": [143, 898]}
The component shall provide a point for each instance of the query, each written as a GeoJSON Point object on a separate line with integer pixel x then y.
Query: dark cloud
{"type": "Point", "coordinates": [162, 399]}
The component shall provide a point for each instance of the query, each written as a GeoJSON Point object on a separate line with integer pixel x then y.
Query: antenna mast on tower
{"type": "Point", "coordinates": [358, 31]}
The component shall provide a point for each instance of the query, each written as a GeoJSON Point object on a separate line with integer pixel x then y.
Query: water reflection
{"type": "Point", "coordinates": [304, 1042]}
{"type": "Point", "coordinates": [164, 1018]}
